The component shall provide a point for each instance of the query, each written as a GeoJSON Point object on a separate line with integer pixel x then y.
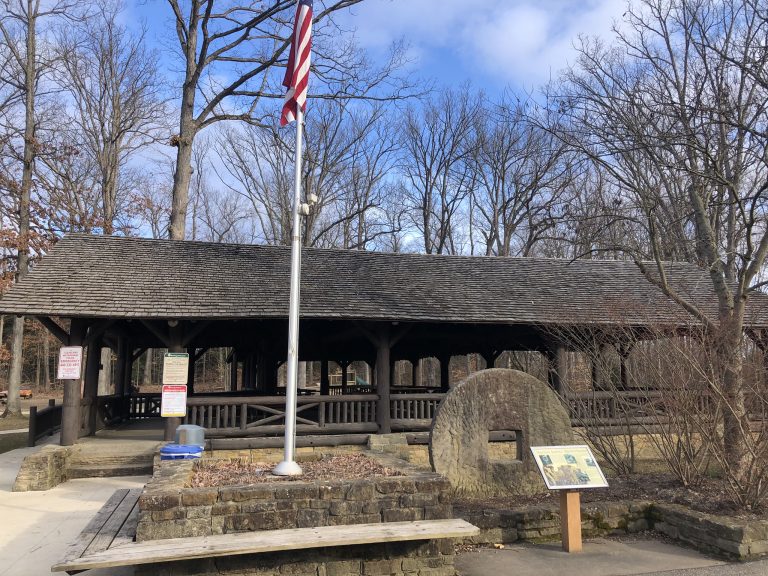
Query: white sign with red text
{"type": "Point", "coordinates": [70, 363]}
{"type": "Point", "coordinates": [173, 403]}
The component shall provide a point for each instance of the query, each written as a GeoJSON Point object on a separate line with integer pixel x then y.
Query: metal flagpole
{"type": "Point", "coordinates": [288, 467]}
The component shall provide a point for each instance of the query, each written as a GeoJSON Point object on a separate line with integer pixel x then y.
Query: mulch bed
{"type": "Point", "coordinates": [236, 472]}
{"type": "Point", "coordinates": [710, 497]}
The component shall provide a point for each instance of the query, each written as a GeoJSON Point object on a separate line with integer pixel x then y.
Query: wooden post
{"type": "Point", "coordinates": [414, 372]}
{"type": "Point", "coordinates": [233, 371]}
{"type": "Point", "coordinates": [623, 349]}
{"type": "Point", "coordinates": [91, 387]}
{"type": "Point", "coordinates": [344, 375]}
{"type": "Point", "coordinates": [124, 355]}
{"type": "Point", "coordinates": [570, 520]}
{"type": "Point", "coordinates": [175, 339]}
{"type": "Point", "coordinates": [445, 372]}
{"type": "Point", "coordinates": [558, 369]}
{"type": "Point", "coordinates": [383, 375]}
{"type": "Point", "coordinates": [192, 351]}
{"type": "Point", "coordinates": [32, 432]}
{"type": "Point", "coordinates": [325, 381]}
{"type": "Point", "coordinates": [70, 412]}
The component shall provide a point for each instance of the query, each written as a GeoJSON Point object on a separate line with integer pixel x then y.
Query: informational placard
{"type": "Point", "coordinates": [173, 402]}
{"type": "Point", "coordinates": [70, 363]}
{"type": "Point", "coordinates": [568, 467]}
{"type": "Point", "coordinates": [175, 368]}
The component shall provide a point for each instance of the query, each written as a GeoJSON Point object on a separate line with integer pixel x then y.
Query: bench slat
{"type": "Point", "coordinates": [127, 533]}
{"type": "Point", "coordinates": [93, 527]}
{"type": "Point", "coordinates": [114, 524]}
{"type": "Point", "coordinates": [268, 541]}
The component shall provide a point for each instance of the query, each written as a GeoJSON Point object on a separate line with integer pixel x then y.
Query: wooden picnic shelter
{"type": "Point", "coordinates": [133, 294]}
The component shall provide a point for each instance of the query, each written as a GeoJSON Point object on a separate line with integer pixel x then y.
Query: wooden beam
{"type": "Point", "coordinates": [195, 331]}
{"type": "Point", "coordinates": [53, 327]}
{"type": "Point", "coordinates": [70, 412]}
{"type": "Point", "coordinates": [137, 354]}
{"type": "Point", "coordinates": [97, 329]}
{"type": "Point", "coordinates": [161, 335]}
{"type": "Point", "coordinates": [383, 380]}
{"type": "Point", "coordinates": [221, 545]}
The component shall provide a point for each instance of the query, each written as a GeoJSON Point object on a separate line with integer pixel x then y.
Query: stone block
{"type": "Point", "coordinates": [264, 491]}
{"type": "Point", "coordinates": [309, 518]}
{"type": "Point", "coordinates": [335, 491]}
{"type": "Point", "coordinates": [194, 512]}
{"type": "Point", "coordinates": [381, 567]}
{"type": "Point", "coordinates": [199, 496]}
{"type": "Point", "coordinates": [439, 512]}
{"type": "Point", "coordinates": [361, 490]}
{"type": "Point", "coordinates": [392, 484]}
{"type": "Point", "coordinates": [345, 508]}
{"type": "Point", "coordinates": [159, 500]}
{"type": "Point", "coordinates": [170, 514]}
{"type": "Point", "coordinates": [402, 514]}
{"type": "Point", "coordinates": [296, 492]}
{"type": "Point", "coordinates": [343, 568]}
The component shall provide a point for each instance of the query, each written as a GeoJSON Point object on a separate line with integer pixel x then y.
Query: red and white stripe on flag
{"type": "Point", "coordinates": [297, 73]}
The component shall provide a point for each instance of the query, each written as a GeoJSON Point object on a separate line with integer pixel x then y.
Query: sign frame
{"type": "Point", "coordinates": [173, 401]}
{"type": "Point", "coordinates": [70, 363]}
{"type": "Point", "coordinates": [571, 456]}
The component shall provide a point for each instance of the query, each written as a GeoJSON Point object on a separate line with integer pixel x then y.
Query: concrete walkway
{"type": "Point", "coordinates": [600, 557]}
{"type": "Point", "coordinates": [37, 527]}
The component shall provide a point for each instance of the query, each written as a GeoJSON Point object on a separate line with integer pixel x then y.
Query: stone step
{"type": "Point", "coordinates": [80, 459]}
{"type": "Point", "coordinates": [100, 471]}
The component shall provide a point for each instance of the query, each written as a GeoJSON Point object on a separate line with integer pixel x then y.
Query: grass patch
{"type": "Point", "coordinates": [14, 422]}
{"type": "Point", "coordinates": [10, 442]}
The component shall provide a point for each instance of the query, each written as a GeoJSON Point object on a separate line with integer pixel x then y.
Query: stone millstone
{"type": "Point", "coordinates": [492, 400]}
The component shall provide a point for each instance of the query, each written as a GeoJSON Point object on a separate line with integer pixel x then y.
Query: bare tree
{"type": "Point", "coordinates": [523, 173]}
{"type": "Point", "coordinates": [671, 113]}
{"type": "Point", "coordinates": [27, 65]}
{"type": "Point", "coordinates": [438, 145]}
{"type": "Point", "coordinates": [243, 42]}
{"type": "Point", "coordinates": [114, 84]}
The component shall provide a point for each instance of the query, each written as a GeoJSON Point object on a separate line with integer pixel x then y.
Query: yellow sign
{"type": "Point", "coordinates": [568, 467]}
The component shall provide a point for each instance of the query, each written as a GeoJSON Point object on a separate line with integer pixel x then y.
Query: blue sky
{"type": "Point", "coordinates": [492, 43]}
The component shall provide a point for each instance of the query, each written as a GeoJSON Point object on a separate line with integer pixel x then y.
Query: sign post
{"type": "Point", "coordinates": [173, 402]}
{"type": "Point", "coordinates": [569, 469]}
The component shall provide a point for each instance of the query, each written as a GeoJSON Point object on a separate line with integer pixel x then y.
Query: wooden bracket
{"type": "Point", "coordinates": [163, 336]}
{"type": "Point", "coordinates": [54, 328]}
{"type": "Point", "coordinates": [96, 330]}
{"type": "Point", "coordinates": [190, 335]}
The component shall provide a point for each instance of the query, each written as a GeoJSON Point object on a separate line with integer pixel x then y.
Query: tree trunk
{"type": "Point", "coordinates": [30, 68]}
{"type": "Point", "coordinates": [147, 379]}
{"type": "Point", "coordinates": [105, 386]}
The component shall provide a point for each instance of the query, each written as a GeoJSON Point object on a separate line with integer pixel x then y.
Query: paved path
{"type": "Point", "coordinates": [601, 558]}
{"type": "Point", "coordinates": [37, 527]}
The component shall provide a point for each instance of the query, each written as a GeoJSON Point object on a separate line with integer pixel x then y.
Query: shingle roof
{"type": "Point", "coordinates": [102, 276]}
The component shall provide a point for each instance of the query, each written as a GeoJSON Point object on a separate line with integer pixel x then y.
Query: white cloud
{"type": "Point", "coordinates": [520, 42]}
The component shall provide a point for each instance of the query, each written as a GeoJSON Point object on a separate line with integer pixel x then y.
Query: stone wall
{"type": "Point", "coordinates": [542, 523]}
{"type": "Point", "coordinates": [169, 509]}
{"type": "Point", "coordinates": [722, 536]}
{"type": "Point", "coordinates": [732, 538]}
{"type": "Point", "coordinates": [43, 470]}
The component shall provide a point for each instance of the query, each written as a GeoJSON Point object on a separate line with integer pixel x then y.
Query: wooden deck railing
{"type": "Point", "coordinates": [265, 415]}
{"type": "Point", "coordinates": [233, 415]}
{"type": "Point", "coordinates": [43, 422]}
{"type": "Point", "coordinates": [413, 412]}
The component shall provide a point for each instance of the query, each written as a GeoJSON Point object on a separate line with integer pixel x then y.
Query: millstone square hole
{"type": "Point", "coordinates": [505, 445]}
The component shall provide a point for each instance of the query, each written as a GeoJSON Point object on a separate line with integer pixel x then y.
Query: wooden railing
{"type": "Point", "coordinates": [265, 415]}
{"type": "Point", "coordinates": [43, 422]}
{"type": "Point", "coordinates": [625, 407]}
{"type": "Point", "coordinates": [413, 412]}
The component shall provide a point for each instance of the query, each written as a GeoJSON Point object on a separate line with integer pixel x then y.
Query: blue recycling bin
{"type": "Point", "coordinates": [181, 452]}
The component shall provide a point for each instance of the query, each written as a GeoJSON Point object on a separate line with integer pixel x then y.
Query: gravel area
{"type": "Point", "coordinates": [238, 472]}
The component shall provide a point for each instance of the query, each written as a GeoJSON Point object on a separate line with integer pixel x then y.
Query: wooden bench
{"type": "Point", "coordinates": [129, 553]}
{"type": "Point", "coordinates": [113, 526]}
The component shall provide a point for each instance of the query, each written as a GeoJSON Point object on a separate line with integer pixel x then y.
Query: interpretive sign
{"type": "Point", "coordinates": [175, 368]}
{"type": "Point", "coordinates": [568, 467]}
{"type": "Point", "coordinates": [173, 402]}
{"type": "Point", "coordinates": [70, 363]}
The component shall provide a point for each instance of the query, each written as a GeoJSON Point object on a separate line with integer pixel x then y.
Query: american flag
{"type": "Point", "coordinates": [297, 72]}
